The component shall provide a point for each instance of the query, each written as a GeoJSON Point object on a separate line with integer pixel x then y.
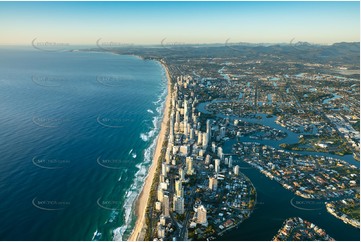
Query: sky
{"type": "Point", "coordinates": [84, 23]}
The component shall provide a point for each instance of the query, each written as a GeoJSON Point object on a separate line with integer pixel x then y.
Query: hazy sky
{"type": "Point", "coordinates": [179, 22]}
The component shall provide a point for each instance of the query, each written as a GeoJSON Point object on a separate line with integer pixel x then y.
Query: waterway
{"type": "Point", "coordinates": [274, 203]}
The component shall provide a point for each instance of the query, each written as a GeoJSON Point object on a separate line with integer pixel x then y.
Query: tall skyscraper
{"type": "Point", "coordinates": [214, 147]}
{"type": "Point", "coordinates": [209, 134]}
{"type": "Point", "coordinates": [223, 132]}
{"type": "Point", "coordinates": [186, 129]}
{"type": "Point", "coordinates": [213, 183]}
{"type": "Point", "coordinates": [161, 231]}
{"type": "Point", "coordinates": [179, 188]}
{"type": "Point", "coordinates": [202, 215]}
{"type": "Point", "coordinates": [182, 174]}
{"type": "Point", "coordinates": [220, 153]}
{"type": "Point", "coordinates": [178, 204]}
{"type": "Point", "coordinates": [230, 161]}
{"type": "Point", "coordinates": [177, 117]}
{"type": "Point", "coordinates": [160, 194]}
{"type": "Point", "coordinates": [189, 165]}
{"type": "Point", "coordinates": [236, 170]}
{"type": "Point", "coordinates": [164, 169]}
{"type": "Point", "coordinates": [191, 134]}
{"type": "Point", "coordinates": [217, 164]}
{"type": "Point", "coordinates": [200, 138]}
{"type": "Point", "coordinates": [166, 205]}
{"type": "Point", "coordinates": [205, 140]}
{"type": "Point", "coordinates": [207, 160]}
{"type": "Point", "coordinates": [186, 111]}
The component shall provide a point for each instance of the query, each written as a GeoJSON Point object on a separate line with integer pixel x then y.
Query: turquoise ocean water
{"type": "Point", "coordinates": [77, 132]}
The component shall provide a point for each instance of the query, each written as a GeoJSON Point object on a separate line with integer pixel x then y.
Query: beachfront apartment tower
{"type": "Point", "coordinates": [166, 205]}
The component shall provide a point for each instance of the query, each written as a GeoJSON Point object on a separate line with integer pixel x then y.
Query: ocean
{"type": "Point", "coordinates": [77, 133]}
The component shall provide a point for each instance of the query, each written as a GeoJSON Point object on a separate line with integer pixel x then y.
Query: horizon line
{"type": "Point", "coordinates": [115, 44]}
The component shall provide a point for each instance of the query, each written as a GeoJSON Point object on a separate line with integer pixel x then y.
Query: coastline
{"type": "Point", "coordinates": [143, 197]}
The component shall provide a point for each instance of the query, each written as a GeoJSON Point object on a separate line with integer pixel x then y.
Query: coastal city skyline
{"type": "Point", "coordinates": [147, 23]}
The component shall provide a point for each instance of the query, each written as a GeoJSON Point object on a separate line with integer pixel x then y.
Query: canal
{"type": "Point", "coordinates": [274, 203]}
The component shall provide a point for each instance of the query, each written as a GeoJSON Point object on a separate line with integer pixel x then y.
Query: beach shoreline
{"type": "Point", "coordinates": [143, 197]}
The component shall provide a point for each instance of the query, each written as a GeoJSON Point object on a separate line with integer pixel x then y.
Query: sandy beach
{"type": "Point", "coordinates": [142, 201]}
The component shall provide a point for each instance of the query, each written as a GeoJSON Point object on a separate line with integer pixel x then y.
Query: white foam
{"type": "Point", "coordinates": [140, 176]}
{"type": "Point", "coordinates": [144, 137]}
{"type": "Point", "coordinates": [150, 111]}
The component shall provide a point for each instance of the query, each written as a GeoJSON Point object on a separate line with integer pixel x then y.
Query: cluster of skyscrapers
{"type": "Point", "coordinates": [186, 143]}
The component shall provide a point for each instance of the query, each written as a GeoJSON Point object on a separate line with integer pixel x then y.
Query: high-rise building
{"type": "Point", "coordinates": [214, 147]}
{"type": "Point", "coordinates": [167, 155]}
{"type": "Point", "coordinates": [202, 215]}
{"type": "Point", "coordinates": [161, 231]}
{"type": "Point", "coordinates": [200, 138]}
{"type": "Point", "coordinates": [213, 183]}
{"type": "Point", "coordinates": [182, 174]}
{"type": "Point", "coordinates": [186, 129]}
{"type": "Point", "coordinates": [178, 204]}
{"type": "Point", "coordinates": [191, 134]}
{"type": "Point", "coordinates": [209, 134]}
{"type": "Point", "coordinates": [177, 117]}
{"type": "Point", "coordinates": [162, 220]}
{"type": "Point", "coordinates": [179, 188]}
{"type": "Point", "coordinates": [184, 149]}
{"type": "Point", "coordinates": [160, 194]}
{"type": "Point", "coordinates": [236, 170]}
{"type": "Point", "coordinates": [205, 140]}
{"type": "Point", "coordinates": [166, 205]}
{"type": "Point", "coordinates": [164, 169]}
{"type": "Point", "coordinates": [230, 161]}
{"type": "Point", "coordinates": [189, 165]}
{"type": "Point", "coordinates": [223, 132]}
{"type": "Point", "coordinates": [161, 178]}
{"type": "Point", "coordinates": [158, 206]}
{"type": "Point", "coordinates": [186, 111]}
{"type": "Point", "coordinates": [207, 160]}
{"type": "Point", "coordinates": [220, 153]}
{"type": "Point", "coordinates": [217, 164]}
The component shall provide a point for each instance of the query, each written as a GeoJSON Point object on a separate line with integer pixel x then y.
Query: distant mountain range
{"type": "Point", "coordinates": [344, 53]}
